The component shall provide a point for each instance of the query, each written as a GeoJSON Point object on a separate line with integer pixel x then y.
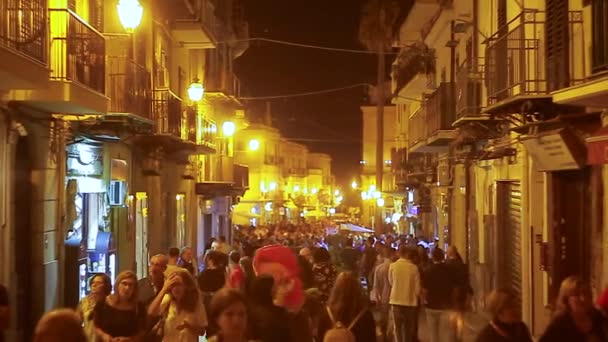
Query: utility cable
{"type": "Point", "coordinates": [284, 42]}
{"type": "Point", "coordinates": [319, 92]}
{"type": "Point", "coordinates": [309, 93]}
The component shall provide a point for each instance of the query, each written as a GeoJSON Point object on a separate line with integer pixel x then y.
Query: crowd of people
{"type": "Point", "coordinates": [296, 283]}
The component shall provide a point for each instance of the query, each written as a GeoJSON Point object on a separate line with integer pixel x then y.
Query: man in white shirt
{"type": "Point", "coordinates": [221, 245]}
{"type": "Point", "coordinates": [404, 278]}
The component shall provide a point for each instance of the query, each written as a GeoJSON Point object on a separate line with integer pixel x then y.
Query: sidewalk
{"type": "Point", "coordinates": [473, 323]}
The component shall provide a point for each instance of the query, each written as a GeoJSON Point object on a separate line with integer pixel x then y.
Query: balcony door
{"type": "Point", "coordinates": [557, 44]}
{"type": "Point", "coordinates": [600, 38]}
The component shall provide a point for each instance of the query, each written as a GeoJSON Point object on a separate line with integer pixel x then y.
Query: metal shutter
{"type": "Point", "coordinates": [509, 237]}
{"type": "Point", "coordinates": [556, 37]}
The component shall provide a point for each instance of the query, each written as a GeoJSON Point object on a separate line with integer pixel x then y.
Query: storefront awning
{"type": "Point", "coordinates": [597, 147]}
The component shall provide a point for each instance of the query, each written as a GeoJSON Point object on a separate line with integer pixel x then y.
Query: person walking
{"type": "Point", "coordinates": [506, 324]}
{"type": "Point", "coordinates": [404, 278]}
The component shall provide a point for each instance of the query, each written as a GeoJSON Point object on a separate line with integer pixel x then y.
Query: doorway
{"type": "Point", "coordinates": [571, 228]}
{"type": "Point", "coordinates": [23, 239]}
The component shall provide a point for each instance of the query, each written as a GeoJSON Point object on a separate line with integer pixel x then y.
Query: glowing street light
{"type": "Point", "coordinates": [354, 184]}
{"type": "Point", "coordinates": [380, 202]}
{"type": "Point", "coordinates": [196, 90]}
{"type": "Point", "coordinates": [228, 128]}
{"type": "Point", "coordinates": [130, 13]}
{"type": "Point", "coordinates": [254, 144]}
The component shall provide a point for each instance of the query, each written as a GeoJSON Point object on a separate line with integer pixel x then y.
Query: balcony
{"type": "Point", "coordinates": [593, 92]}
{"type": "Point", "coordinates": [167, 114]}
{"type": "Point", "coordinates": [224, 87]}
{"type": "Point", "coordinates": [208, 134]}
{"type": "Point", "coordinates": [195, 25]}
{"type": "Point", "coordinates": [23, 44]}
{"type": "Point", "coordinates": [129, 89]}
{"type": "Point", "coordinates": [77, 62]}
{"type": "Point", "coordinates": [431, 126]}
{"type": "Point", "coordinates": [413, 72]}
{"type": "Point", "coordinates": [233, 180]}
{"type": "Point", "coordinates": [469, 86]}
{"type": "Point", "coordinates": [523, 66]}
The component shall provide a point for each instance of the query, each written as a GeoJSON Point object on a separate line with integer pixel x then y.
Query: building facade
{"type": "Point", "coordinates": [105, 154]}
{"type": "Point", "coordinates": [288, 183]}
{"type": "Point", "coordinates": [504, 112]}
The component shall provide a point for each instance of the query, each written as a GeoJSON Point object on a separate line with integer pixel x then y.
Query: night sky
{"type": "Point", "coordinates": [331, 122]}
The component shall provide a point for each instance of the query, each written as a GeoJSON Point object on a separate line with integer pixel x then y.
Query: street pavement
{"type": "Point", "coordinates": [473, 323]}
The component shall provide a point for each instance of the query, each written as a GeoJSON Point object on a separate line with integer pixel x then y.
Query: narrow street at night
{"type": "Point", "coordinates": [303, 170]}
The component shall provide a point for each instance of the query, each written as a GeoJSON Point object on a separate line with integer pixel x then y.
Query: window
{"type": "Point", "coordinates": [600, 39]}
{"type": "Point", "coordinates": [557, 46]}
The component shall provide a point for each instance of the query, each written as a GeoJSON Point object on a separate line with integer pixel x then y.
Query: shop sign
{"type": "Point", "coordinates": [597, 147]}
{"type": "Point", "coordinates": [555, 150]}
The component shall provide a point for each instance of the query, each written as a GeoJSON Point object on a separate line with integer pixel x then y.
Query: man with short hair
{"type": "Point", "coordinates": [221, 245]}
{"type": "Point", "coordinates": [438, 285]}
{"type": "Point", "coordinates": [148, 287]}
{"type": "Point", "coordinates": [172, 261]}
{"type": "Point", "coordinates": [404, 279]}
{"type": "Point", "coordinates": [62, 325]}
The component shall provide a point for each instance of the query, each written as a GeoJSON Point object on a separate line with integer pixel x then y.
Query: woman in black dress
{"type": "Point", "coordinates": [120, 315]}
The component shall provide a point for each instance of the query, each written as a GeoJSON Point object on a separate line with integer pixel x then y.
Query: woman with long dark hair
{"type": "Point", "coordinates": [228, 310]}
{"type": "Point", "coordinates": [100, 286]}
{"type": "Point", "coordinates": [349, 306]}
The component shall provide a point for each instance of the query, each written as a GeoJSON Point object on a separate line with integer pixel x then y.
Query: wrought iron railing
{"type": "Point", "coordinates": [516, 57]}
{"type": "Point", "coordinates": [129, 87]}
{"type": "Point", "coordinates": [208, 132]}
{"type": "Point", "coordinates": [440, 110]}
{"type": "Point", "coordinates": [209, 19]}
{"type": "Point", "coordinates": [77, 50]}
{"type": "Point", "coordinates": [417, 129]}
{"type": "Point", "coordinates": [167, 113]}
{"type": "Point", "coordinates": [469, 86]}
{"type": "Point", "coordinates": [24, 27]}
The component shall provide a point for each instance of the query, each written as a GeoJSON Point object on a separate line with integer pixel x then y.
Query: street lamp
{"type": "Point", "coordinates": [354, 185]}
{"type": "Point", "coordinates": [196, 91]}
{"type": "Point", "coordinates": [130, 13]}
{"type": "Point", "coordinates": [228, 128]}
{"type": "Point", "coordinates": [254, 144]}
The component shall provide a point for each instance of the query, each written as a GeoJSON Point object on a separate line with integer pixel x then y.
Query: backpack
{"type": "Point", "coordinates": [340, 332]}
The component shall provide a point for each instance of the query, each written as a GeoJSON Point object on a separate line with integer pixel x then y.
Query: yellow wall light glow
{"type": "Point", "coordinates": [130, 13]}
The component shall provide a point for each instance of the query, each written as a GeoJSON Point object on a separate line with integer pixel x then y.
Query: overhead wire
{"type": "Point", "coordinates": [308, 93]}
{"type": "Point", "coordinates": [308, 46]}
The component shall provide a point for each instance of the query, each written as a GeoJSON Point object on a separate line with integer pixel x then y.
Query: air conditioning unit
{"type": "Point", "coordinates": [118, 192]}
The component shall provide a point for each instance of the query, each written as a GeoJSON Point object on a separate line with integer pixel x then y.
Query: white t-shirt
{"type": "Point", "coordinates": [175, 318]}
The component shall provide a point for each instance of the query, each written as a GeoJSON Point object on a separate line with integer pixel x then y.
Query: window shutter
{"type": "Point", "coordinates": [557, 47]}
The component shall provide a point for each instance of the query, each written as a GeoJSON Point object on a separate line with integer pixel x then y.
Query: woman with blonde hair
{"type": "Point", "coordinates": [180, 306]}
{"type": "Point", "coordinates": [120, 317]}
{"type": "Point", "coordinates": [506, 324]}
{"type": "Point", "coordinates": [575, 318]}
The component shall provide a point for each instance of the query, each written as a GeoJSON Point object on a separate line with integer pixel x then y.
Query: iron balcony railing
{"type": "Point", "coordinates": [77, 50]}
{"type": "Point", "coordinates": [225, 82]}
{"type": "Point", "coordinates": [24, 27]}
{"type": "Point", "coordinates": [469, 88]}
{"type": "Point", "coordinates": [208, 134]}
{"type": "Point", "coordinates": [417, 129]}
{"type": "Point", "coordinates": [517, 62]}
{"type": "Point", "coordinates": [167, 113]}
{"type": "Point", "coordinates": [440, 111]}
{"type": "Point", "coordinates": [209, 19]}
{"type": "Point", "coordinates": [129, 87]}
